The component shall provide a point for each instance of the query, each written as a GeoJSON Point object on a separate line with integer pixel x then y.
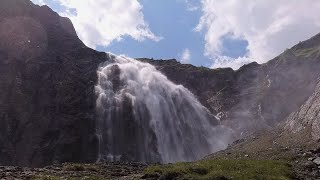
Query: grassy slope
{"type": "Point", "coordinates": [222, 169]}
{"type": "Point", "coordinates": [269, 155]}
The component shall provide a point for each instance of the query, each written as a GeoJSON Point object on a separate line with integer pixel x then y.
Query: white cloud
{"type": "Point", "coordinates": [234, 63]}
{"type": "Point", "coordinates": [39, 2]}
{"type": "Point", "coordinates": [99, 22]}
{"type": "Point", "coordinates": [191, 6]}
{"type": "Point", "coordinates": [185, 56]}
{"type": "Point", "coordinates": [269, 26]}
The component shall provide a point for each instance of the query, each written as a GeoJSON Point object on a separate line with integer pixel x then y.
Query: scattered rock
{"type": "Point", "coordinates": [316, 151]}
{"type": "Point", "coordinates": [309, 153]}
{"type": "Point", "coordinates": [102, 171]}
{"type": "Point", "coordinates": [309, 165]}
{"type": "Point", "coordinates": [284, 148]}
{"type": "Point", "coordinates": [317, 160]}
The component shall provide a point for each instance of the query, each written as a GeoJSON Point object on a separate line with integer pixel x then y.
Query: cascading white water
{"type": "Point", "coordinates": [145, 117]}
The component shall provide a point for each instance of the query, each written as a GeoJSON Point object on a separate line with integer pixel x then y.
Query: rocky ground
{"type": "Point", "coordinates": [272, 151]}
{"type": "Point", "coordinates": [68, 171]}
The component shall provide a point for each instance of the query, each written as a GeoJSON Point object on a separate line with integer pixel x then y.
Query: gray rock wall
{"type": "Point", "coordinates": [47, 78]}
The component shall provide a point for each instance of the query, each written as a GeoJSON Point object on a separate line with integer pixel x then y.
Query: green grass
{"type": "Point", "coordinates": [222, 169]}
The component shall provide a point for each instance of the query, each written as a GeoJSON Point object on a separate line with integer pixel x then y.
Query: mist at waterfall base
{"type": "Point", "coordinates": [144, 117]}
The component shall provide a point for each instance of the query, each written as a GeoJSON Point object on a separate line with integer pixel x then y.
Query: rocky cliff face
{"type": "Point", "coordinates": [307, 117]}
{"type": "Point", "coordinates": [47, 78]}
{"type": "Point", "coordinates": [255, 96]}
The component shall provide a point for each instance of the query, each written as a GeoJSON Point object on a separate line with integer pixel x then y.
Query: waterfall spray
{"type": "Point", "coordinates": [142, 116]}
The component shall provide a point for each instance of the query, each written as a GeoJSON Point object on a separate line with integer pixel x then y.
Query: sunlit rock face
{"type": "Point", "coordinates": [142, 116]}
{"type": "Point", "coordinates": [307, 118]}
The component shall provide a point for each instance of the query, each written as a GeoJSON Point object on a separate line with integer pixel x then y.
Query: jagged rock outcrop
{"type": "Point", "coordinates": [307, 118]}
{"type": "Point", "coordinates": [47, 78]}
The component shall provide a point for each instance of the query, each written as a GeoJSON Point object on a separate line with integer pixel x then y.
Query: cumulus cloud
{"type": "Point", "coordinates": [99, 22]}
{"type": "Point", "coordinates": [269, 26]}
{"type": "Point", "coordinates": [185, 56]}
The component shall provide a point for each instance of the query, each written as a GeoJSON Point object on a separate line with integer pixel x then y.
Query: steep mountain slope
{"type": "Point", "coordinates": [255, 96]}
{"type": "Point", "coordinates": [48, 103]}
{"type": "Point", "coordinates": [295, 140]}
{"type": "Point", "coordinates": [47, 78]}
{"type": "Point", "coordinates": [307, 118]}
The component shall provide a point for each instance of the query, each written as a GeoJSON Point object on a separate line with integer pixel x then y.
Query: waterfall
{"type": "Point", "coordinates": [142, 116]}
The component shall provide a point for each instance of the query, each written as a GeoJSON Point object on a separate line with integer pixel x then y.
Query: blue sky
{"type": "Point", "coordinates": [209, 33]}
{"type": "Point", "coordinates": [172, 21]}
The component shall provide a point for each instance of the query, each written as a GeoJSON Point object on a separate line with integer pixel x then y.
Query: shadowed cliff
{"type": "Point", "coordinates": [47, 78]}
